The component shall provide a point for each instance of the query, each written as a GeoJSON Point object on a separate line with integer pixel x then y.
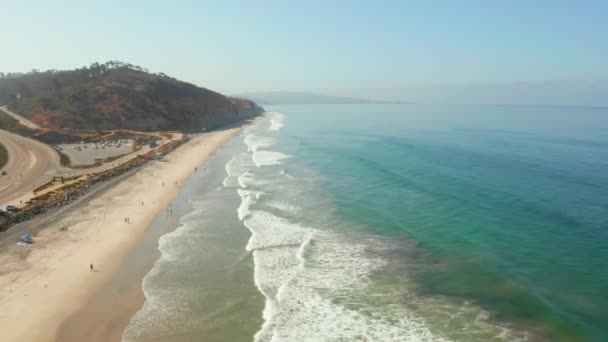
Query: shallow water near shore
{"type": "Point", "coordinates": [201, 285]}
{"type": "Point", "coordinates": [425, 223]}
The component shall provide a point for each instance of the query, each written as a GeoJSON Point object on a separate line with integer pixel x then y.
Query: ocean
{"type": "Point", "coordinates": [392, 223]}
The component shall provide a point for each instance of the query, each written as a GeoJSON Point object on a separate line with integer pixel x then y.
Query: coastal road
{"type": "Point", "coordinates": [23, 121]}
{"type": "Point", "coordinates": [30, 164]}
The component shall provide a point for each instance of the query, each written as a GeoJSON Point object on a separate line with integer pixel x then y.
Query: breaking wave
{"type": "Point", "coordinates": [318, 282]}
{"type": "Point", "coordinates": [277, 121]}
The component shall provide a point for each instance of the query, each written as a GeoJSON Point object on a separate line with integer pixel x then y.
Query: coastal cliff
{"type": "Point", "coordinates": [115, 95]}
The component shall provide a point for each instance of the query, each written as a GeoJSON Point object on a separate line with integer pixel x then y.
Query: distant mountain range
{"type": "Point", "coordinates": [286, 97]}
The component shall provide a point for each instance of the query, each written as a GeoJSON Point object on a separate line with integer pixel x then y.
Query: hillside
{"type": "Point", "coordinates": [116, 95]}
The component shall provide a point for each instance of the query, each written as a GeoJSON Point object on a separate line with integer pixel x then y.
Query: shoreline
{"type": "Point", "coordinates": [54, 271]}
{"type": "Point", "coordinates": [109, 310]}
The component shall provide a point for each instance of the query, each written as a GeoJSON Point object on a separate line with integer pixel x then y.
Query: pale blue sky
{"type": "Point", "coordinates": [417, 50]}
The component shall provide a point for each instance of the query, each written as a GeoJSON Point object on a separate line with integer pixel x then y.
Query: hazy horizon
{"type": "Point", "coordinates": [385, 171]}
{"type": "Point", "coordinates": [472, 52]}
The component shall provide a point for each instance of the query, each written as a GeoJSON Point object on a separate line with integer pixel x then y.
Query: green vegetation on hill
{"type": "Point", "coordinates": [3, 156]}
{"type": "Point", "coordinates": [116, 95]}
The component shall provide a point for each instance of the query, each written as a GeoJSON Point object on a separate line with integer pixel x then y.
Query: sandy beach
{"type": "Point", "coordinates": [45, 283]}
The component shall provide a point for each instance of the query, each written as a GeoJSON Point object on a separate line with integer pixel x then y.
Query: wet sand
{"type": "Point", "coordinates": [107, 313]}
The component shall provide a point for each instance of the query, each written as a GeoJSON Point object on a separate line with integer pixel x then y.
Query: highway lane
{"type": "Point", "coordinates": [30, 164]}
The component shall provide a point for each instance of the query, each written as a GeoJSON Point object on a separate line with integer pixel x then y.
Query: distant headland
{"type": "Point", "coordinates": [288, 97]}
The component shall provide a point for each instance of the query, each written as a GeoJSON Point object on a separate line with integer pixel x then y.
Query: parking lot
{"type": "Point", "coordinates": [89, 153]}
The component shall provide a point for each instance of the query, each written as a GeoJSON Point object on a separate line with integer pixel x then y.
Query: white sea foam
{"type": "Point", "coordinates": [298, 307]}
{"type": "Point", "coordinates": [313, 280]}
{"type": "Point", "coordinates": [275, 243]}
{"type": "Point", "coordinates": [265, 158]}
{"type": "Point", "coordinates": [269, 231]}
{"type": "Point", "coordinates": [242, 179]}
{"type": "Point", "coordinates": [277, 121]}
{"type": "Point", "coordinates": [247, 179]}
{"type": "Point", "coordinates": [160, 311]}
{"type": "Point", "coordinates": [301, 271]}
{"type": "Point", "coordinates": [248, 129]}
{"type": "Point", "coordinates": [284, 206]}
{"type": "Point", "coordinates": [317, 288]}
{"type": "Point", "coordinates": [235, 168]}
{"type": "Point", "coordinates": [229, 181]}
{"type": "Point", "coordinates": [255, 142]}
{"type": "Point", "coordinates": [248, 198]}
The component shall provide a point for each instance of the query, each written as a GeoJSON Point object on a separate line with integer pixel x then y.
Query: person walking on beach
{"type": "Point", "coordinates": [91, 267]}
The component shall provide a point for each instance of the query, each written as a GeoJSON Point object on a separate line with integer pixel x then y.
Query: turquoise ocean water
{"type": "Point", "coordinates": [421, 223]}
